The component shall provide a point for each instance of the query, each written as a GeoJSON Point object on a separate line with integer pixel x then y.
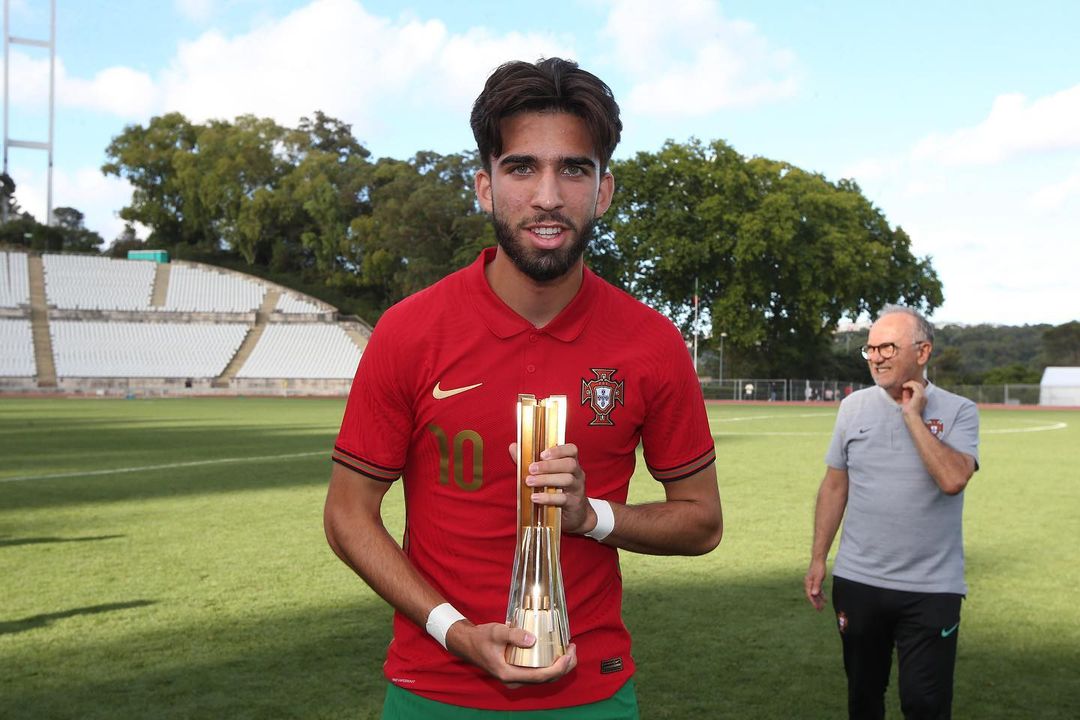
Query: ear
{"type": "Point", "coordinates": [482, 184]}
{"type": "Point", "coordinates": [924, 354]}
{"type": "Point", "coordinates": [604, 194]}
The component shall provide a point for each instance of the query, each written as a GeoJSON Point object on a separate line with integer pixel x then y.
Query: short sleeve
{"type": "Point", "coordinates": [964, 435]}
{"type": "Point", "coordinates": [676, 435]}
{"type": "Point", "coordinates": [377, 426]}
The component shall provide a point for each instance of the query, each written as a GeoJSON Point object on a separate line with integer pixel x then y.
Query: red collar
{"type": "Point", "coordinates": [505, 323]}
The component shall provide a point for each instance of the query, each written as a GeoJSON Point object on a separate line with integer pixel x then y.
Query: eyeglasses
{"type": "Point", "coordinates": [885, 351]}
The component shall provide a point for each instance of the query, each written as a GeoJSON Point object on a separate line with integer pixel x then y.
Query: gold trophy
{"type": "Point", "coordinates": [537, 600]}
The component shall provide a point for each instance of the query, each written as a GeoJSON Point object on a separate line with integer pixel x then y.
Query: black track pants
{"type": "Point", "coordinates": [922, 626]}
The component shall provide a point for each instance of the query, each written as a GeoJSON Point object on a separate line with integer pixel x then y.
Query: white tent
{"type": "Point", "coordinates": [1060, 386]}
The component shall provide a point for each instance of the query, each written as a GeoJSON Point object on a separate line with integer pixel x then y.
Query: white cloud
{"type": "Point", "coordinates": [119, 91]}
{"type": "Point", "coordinates": [195, 10]}
{"type": "Point", "coordinates": [1014, 127]}
{"type": "Point", "coordinates": [332, 55]}
{"type": "Point", "coordinates": [96, 196]}
{"type": "Point", "coordinates": [693, 61]}
{"type": "Point", "coordinates": [1058, 195]}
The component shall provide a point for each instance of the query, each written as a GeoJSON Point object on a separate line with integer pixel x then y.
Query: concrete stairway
{"type": "Point", "coordinates": [161, 285]}
{"type": "Point", "coordinates": [39, 321]}
{"type": "Point", "coordinates": [262, 316]}
{"type": "Point", "coordinates": [358, 338]}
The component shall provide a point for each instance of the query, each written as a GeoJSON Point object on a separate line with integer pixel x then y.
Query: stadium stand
{"type": "Point", "coordinates": [143, 349]}
{"type": "Point", "coordinates": [193, 289]}
{"type": "Point", "coordinates": [82, 324]}
{"type": "Point", "coordinates": [16, 349]}
{"type": "Point", "coordinates": [291, 304]}
{"type": "Point", "coordinates": [307, 350]}
{"type": "Point", "coordinates": [87, 282]}
{"type": "Point", "coordinates": [14, 280]}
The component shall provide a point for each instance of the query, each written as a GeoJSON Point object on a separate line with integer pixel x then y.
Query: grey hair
{"type": "Point", "coordinates": [924, 331]}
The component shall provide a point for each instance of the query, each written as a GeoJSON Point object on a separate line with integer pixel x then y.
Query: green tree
{"type": "Point", "coordinates": [148, 158]}
{"type": "Point", "coordinates": [126, 240]}
{"type": "Point", "coordinates": [423, 223]}
{"type": "Point", "coordinates": [75, 237]}
{"type": "Point", "coordinates": [1061, 345]}
{"type": "Point", "coordinates": [780, 255]}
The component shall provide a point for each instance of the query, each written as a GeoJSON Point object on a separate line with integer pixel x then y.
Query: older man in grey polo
{"type": "Point", "coordinates": [901, 455]}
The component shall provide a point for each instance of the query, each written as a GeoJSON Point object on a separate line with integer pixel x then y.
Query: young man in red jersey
{"type": "Point", "coordinates": [433, 403]}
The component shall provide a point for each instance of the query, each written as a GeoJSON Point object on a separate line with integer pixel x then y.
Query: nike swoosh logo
{"type": "Point", "coordinates": [439, 394]}
{"type": "Point", "coordinates": [947, 632]}
{"type": "Point", "coordinates": [864, 430]}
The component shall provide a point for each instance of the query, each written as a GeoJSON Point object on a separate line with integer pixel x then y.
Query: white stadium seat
{"type": "Point", "coordinates": [88, 282]}
{"type": "Point", "coordinates": [302, 350]}
{"type": "Point", "coordinates": [134, 349]}
{"type": "Point", "coordinates": [196, 290]}
{"type": "Point", "coordinates": [16, 349]}
{"type": "Point", "coordinates": [14, 280]}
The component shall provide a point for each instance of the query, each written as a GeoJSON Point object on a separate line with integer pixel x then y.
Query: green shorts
{"type": "Point", "coordinates": [404, 705]}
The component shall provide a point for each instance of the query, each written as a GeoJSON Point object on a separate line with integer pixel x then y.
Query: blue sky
{"type": "Point", "coordinates": [960, 120]}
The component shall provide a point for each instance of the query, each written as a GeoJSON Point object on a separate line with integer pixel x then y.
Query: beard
{"type": "Point", "coordinates": [543, 265]}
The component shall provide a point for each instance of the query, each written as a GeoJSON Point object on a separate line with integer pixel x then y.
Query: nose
{"type": "Point", "coordinates": [547, 195]}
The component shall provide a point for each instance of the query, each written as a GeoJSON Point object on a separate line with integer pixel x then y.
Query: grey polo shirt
{"type": "Point", "coordinates": [900, 531]}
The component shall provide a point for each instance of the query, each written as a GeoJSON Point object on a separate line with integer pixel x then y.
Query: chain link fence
{"type": "Point", "coordinates": [803, 390]}
{"type": "Point", "coordinates": [778, 389]}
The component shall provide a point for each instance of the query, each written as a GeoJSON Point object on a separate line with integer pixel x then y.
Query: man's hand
{"type": "Point", "coordinates": [558, 468]}
{"type": "Point", "coordinates": [913, 398]}
{"type": "Point", "coordinates": [815, 578]}
{"type": "Point", "coordinates": [485, 646]}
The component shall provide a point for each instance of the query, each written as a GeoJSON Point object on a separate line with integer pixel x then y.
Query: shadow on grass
{"type": "Point", "coordinates": [14, 542]}
{"type": "Point", "coordinates": [232, 459]}
{"type": "Point", "coordinates": [748, 648]}
{"type": "Point", "coordinates": [35, 622]}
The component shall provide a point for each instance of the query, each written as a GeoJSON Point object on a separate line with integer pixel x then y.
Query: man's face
{"type": "Point", "coordinates": [544, 192]}
{"type": "Point", "coordinates": [910, 358]}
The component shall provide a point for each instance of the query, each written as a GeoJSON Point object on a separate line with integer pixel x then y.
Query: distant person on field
{"type": "Point", "coordinates": [902, 453]}
{"type": "Point", "coordinates": [434, 403]}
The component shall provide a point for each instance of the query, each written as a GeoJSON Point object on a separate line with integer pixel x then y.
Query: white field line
{"type": "Point", "coordinates": [263, 458]}
{"type": "Point", "coordinates": [1037, 428]}
{"type": "Point", "coordinates": [1001, 431]}
{"type": "Point", "coordinates": [773, 417]}
{"type": "Point", "coordinates": [169, 466]}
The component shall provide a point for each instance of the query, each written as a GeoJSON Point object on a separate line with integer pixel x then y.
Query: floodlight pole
{"type": "Point", "coordinates": [721, 378]}
{"type": "Point", "coordinates": [695, 323]}
{"type": "Point", "coordinates": [34, 145]}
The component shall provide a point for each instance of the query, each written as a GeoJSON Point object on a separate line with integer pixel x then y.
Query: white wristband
{"type": "Point", "coordinates": [440, 619]}
{"type": "Point", "coordinates": [605, 519]}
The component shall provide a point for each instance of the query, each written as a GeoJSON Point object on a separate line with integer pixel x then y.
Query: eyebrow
{"type": "Point", "coordinates": [572, 160]}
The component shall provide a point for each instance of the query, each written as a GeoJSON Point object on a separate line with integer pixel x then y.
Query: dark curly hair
{"type": "Point", "coordinates": [548, 85]}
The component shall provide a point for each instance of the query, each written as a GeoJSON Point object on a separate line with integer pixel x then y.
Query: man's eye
{"type": "Point", "coordinates": [520, 170]}
{"type": "Point", "coordinates": [574, 170]}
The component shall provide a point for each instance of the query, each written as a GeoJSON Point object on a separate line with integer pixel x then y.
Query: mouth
{"type": "Point", "coordinates": [547, 237]}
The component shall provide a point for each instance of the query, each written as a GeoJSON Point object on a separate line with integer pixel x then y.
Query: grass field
{"type": "Point", "coordinates": [165, 559]}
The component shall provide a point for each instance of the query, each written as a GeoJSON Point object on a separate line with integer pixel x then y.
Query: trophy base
{"type": "Point", "coordinates": [549, 645]}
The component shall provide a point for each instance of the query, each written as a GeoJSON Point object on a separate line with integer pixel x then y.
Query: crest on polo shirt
{"type": "Point", "coordinates": [602, 394]}
{"type": "Point", "coordinates": [936, 427]}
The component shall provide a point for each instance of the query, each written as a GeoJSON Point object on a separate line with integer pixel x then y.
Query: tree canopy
{"type": "Point", "coordinates": [306, 201]}
{"type": "Point", "coordinates": [778, 255]}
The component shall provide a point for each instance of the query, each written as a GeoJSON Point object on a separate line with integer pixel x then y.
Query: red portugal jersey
{"type": "Point", "coordinates": [434, 402]}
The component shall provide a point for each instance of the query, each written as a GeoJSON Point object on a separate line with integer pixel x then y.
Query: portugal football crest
{"type": "Point", "coordinates": [602, 393]}
{"type": "Point", "coordinates": [936, 427]}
